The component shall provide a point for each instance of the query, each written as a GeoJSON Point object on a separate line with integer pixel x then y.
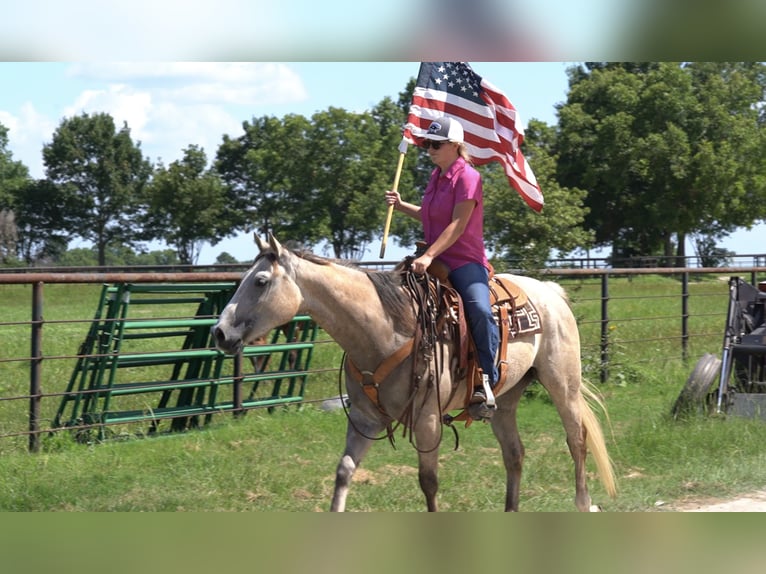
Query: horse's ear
{"type": "Point", "coordinates": [259, 242]}
{"type": "Point", "coordinates": [276, 246]}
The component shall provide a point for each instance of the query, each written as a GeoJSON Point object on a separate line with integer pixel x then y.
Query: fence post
{"type": "Point", "coordinates": [604, 327]}
{"type": "Point", "coordinates": [237, 385]}
{"type": "Point", "coordinates": [685, 316]}
{"type": "Point", "coordinates": [35, 367]}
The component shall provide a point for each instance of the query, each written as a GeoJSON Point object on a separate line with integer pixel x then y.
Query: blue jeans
{"type": "Point", "coordinates": [471, 281]}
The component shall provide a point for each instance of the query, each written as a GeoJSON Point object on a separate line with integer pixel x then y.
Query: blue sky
{"type": "Point", "coordinates": [170, 105]}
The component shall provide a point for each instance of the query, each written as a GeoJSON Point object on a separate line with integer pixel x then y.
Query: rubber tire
{"type": "Point", "coordinates": [693, 397]}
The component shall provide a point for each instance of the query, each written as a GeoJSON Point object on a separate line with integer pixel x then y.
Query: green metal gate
{"type": "Point", "coordinates": [148, 356]}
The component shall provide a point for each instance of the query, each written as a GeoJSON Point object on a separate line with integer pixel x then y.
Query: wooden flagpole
{"type": "Point", "coordinates": [390, 211]}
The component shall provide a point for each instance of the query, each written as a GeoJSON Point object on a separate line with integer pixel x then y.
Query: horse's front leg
{"type": "Point", "coordinates": [357, 445]}
{"type": "Point", "coordinates": [428, 463]}
{"type": "Point", "coordinates": [428, 437]}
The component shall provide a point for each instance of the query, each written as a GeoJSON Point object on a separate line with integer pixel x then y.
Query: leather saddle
{"type": "Point", "coordinates": [505, 297]}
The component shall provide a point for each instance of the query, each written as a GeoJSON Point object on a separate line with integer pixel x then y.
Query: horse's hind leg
{"type": "Point", "coordinates": [357, 446]}
{"type": "Point", "coordinates": [568, 401]}
{"type": "Point", "coordinates": [506, 431]}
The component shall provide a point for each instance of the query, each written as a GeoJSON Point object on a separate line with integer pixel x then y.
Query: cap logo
{"type": "Point", "coordinates": [434, 127]}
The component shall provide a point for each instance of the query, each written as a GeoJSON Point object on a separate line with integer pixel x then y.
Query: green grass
{"type": "Point", "coordinates": [285, 461]}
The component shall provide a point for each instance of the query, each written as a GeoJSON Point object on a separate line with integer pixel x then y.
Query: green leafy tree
{"type": "Point", "coordinates": [117, 256]}
{"type": "Point", "coordinates": [78, 257]}
{"type": "Point", "coordinates": [262, 171]}
{"type": "Point", "coordinates": [355, 161]}
{"type": "Point", "coordinates": [416, 171]}
{"type": "Point", "coordinates": [44, 216]}
{"type": "Point", "coordinates": [313, 180]}
{"type": "Point", "coordinates": [519, 235]}
{"type": "Point", "coordinates": [13, 176]}
{"type": "Point", "coordinates": [185, 205]}
{"type": "Point", "coordinates": [105, 171]}
{"type": "Point", "coordinates": [226, 258]}
{"type": "Point", "coordinates": [664, 150]}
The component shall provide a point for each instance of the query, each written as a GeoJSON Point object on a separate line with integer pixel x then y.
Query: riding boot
{"type": "Point", "coordinates": [482, 404]}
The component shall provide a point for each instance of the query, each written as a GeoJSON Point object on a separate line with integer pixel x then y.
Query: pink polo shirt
{"type": "Point", "coordinates": [461, 182]}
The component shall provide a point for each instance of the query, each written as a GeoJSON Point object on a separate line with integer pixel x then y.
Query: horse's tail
{"type": "Point", "coordinates": [595, 438]}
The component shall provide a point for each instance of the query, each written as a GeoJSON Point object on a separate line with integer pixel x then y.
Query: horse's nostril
{"type": "Point", "coordinates": [219, 335]}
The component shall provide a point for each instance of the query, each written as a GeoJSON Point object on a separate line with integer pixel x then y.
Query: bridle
{"type": "Point", "coordinates": [430, 306]}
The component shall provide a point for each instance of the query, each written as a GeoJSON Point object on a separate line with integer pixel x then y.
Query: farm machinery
{"type": "Point", "coordinates": [736, 383]}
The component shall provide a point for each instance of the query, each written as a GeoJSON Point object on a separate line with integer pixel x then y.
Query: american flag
{"type": "Point", "coordinates": [490, 122]}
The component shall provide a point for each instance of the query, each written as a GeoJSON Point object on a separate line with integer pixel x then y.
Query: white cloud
{"type": "Point", "coordinates": [169, 106]}
{"type": "Point", "coordinates": [122, 102]}
{"type": "Point", "coordinates": [241, 83]}
{"type": "Point", "coordinates": [28, 131]}
{"type": "Point", "coordinates": [176, 127]}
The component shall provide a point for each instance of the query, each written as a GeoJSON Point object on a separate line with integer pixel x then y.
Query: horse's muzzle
{"type": "Point", "coordinates": [230, 346]}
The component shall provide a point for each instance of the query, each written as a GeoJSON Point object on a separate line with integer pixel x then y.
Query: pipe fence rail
{"type": "Point", "coordinates": [79, 366]}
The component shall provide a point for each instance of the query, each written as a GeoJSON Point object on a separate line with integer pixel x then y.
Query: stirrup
{"type": "Point", "coordinates": [481, 411]}
{"type": "Point", "coordinates": [488, 390]}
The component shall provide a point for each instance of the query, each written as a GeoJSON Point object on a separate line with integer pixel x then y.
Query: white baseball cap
{"type": "Point", "coordinates": [444, 129]}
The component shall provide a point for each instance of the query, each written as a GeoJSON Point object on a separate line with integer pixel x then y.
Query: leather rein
{"type": "Point", "coordinates": [428, 301]}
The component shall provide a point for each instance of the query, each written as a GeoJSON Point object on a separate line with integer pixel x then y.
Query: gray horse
{"type": "Point", "coordinates": [371, 316]}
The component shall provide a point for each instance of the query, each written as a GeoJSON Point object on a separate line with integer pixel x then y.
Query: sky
{"type": "Point", "coordinates": [169, 106]}
{"type": "Point", "coordinates": [183, 72]}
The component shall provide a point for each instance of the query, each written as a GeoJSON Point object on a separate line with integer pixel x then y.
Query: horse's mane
{"type": "Point", "coordinates": [396, 302]}
{"type": "Point", "coordinates": [388, 285]}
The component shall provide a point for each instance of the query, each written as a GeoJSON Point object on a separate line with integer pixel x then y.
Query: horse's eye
{"type": "Point", "coordinates": [261, 280]}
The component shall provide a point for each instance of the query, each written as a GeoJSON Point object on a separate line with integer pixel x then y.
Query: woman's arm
{"type": "Point", "coordinates": [393, 198]}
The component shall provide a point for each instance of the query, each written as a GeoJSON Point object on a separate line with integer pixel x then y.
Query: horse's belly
{"type": "Point", "coordinates": [519, 358]}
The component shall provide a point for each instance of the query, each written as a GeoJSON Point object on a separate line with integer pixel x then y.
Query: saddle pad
{"type": "Point", "coordinates": [523, 318]}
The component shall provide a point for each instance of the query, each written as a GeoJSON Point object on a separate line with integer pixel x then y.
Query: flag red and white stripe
{"type": "Point", "coordinates": [492, 127]}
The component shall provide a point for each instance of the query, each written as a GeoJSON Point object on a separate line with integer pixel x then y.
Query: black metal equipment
{"type": "Point", "coordinates": [741, 371]}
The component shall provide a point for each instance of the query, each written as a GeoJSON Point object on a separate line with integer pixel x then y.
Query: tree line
{"type": "Point", "coordinates": [644, 156]}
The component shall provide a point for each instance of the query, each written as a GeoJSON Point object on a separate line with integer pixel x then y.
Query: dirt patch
{"type": "Point", "coordinates": [753, 502]}
{"type": "Point", "coordinates": [382, 476]}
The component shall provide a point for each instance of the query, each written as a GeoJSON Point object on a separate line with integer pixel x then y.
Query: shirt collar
{"type": "Point", "coordinates": [457, 166]}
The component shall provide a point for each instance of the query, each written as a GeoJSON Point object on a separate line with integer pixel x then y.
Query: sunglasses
{"type": "Point", "coordinates": [432, 144]}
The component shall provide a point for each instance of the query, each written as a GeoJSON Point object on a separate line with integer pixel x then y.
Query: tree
{"type": "Point", "coordinates": [313, 180]}
{"type": "Point", "coordinates": [416, 170]}
{"type": "Point", "coordinates": [106, 172]}
{"type": "Point", "coordinates": [117, 256]}
{"type": "Point", "coordinates": [44, 215]}
{"type": "Point", "coordinates": [664, 150]}
{"type": "Point", "coordinates": [185, 204]}
{"type": "Point", "coordinates": [261, 170]}
{"type": "Point", "coordinates": [226, 258]}
{"type": "Point", "coordinates": [13, 175]}
{"type": "Point", "coordinates": [355, 162]}
{"type": "Point", "coordinates": [516, 233]}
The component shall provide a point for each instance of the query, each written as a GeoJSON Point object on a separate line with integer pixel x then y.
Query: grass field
{"type": "Point", "coordinates": [285, 461]}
